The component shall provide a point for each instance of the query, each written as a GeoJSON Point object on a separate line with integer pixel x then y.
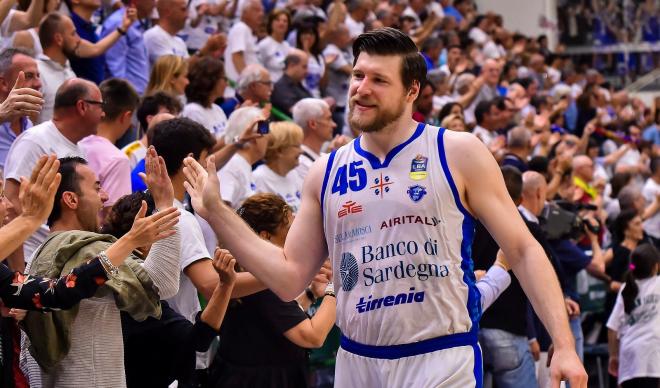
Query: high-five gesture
{"type": "Point", "coordinates": [203, 186]}
{"type": "Point", "coordinates": [157, 179]}
{"type": "Point", "coordinates": [37, 194]}
{"type": "Point", "coordinates": [22, 101]}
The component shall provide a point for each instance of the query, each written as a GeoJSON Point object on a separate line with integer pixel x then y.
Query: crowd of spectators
{"type": "Point", "coordinates": [120, 92]}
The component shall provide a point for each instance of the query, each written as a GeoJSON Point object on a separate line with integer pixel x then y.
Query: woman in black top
{"type": "Point", "coordinates": [159, 351]}
{"type": "Point", "coordinates": [263, 340]}
{"type": "Point", "coordinates": [628, 233]}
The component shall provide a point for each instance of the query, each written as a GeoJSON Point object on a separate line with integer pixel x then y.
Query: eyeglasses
{"type": "Point", "coordinates": [267, 83]}
{"type": "Point", "coordinates": [99, 103]}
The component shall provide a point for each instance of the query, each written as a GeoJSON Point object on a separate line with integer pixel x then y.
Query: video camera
{"type": "Point", "coordinates": [561, 220]}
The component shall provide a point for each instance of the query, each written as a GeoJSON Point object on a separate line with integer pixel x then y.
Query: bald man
{"type": "Point", "coordinates": [289, 89]}
{"type": "Point", "coordinates": [583, 175]}
{"type": "Point", "coordinates": [77, 111]}
{"type": "Point", "coordinates": [161, 39]}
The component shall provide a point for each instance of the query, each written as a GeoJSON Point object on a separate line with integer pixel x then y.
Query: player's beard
{"type": "Point", "coordinates": [382, 119]}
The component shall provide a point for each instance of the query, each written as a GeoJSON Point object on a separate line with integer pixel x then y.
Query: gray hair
{"type": "Point", "coordinates": [308, 109]}
{"type": "Point", "coordinates": [239, 120]}
{"type": "Point", "coordinates": [627, 197]}
{"type": "Point", "coordinates": [518, 137]}
{"type": "Point", "coordinates": [7, 56]}
{"type": "Point", "coordinates": [249, 75]}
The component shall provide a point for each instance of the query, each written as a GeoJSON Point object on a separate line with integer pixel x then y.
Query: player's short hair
{"type": "Point", "coordinates": [392, 42]}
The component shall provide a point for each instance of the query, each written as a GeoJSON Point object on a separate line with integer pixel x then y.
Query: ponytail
{"type": "Point", "coordinates": [643, 261]}
{"type": "Point", "coordinates": [629, 292]}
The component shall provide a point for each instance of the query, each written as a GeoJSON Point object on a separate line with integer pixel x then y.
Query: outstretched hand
{"type": "Point", "coordinates": [203, 186]}
{"type": "Point", "coordinates": [157, 179]}
{"type": "Point", "coordinates": [147, 230]}
{"type": "Point", "coordinates": [37, 194]}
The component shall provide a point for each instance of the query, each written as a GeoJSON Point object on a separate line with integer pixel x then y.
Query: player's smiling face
{"type": "Point", "coordinates": [376, 94]}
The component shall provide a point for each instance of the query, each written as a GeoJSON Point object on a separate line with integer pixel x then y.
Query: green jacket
{"type": "Point", "coordinates": [133, 290]}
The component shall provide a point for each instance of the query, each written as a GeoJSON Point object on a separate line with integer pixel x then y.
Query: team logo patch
{"type": "Point", "coordinates": [381, 185]}
{"type": "Point", "coordinates": [418, 168]}
{"type": "Point", "coordinates": [348, 269]}
{"type": "Point", "coordinates": [350, 207]}
{"type": "Point", "coordinates": [416, 192]}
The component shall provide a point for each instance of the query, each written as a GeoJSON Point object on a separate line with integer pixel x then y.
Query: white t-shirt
{"type": "Point", "coordinates": [288, 187]}
{"type": "Point", "coordinates": [355, 28]}
{"type": "Point", "coordinates": [639, 332]}
{"type": "Point", "coordinates": [236, 181]}
{"type": "Point", "coordinates": [240, 38]}
{"type": "Point", "coordinates": [23, 155]}
{"type": "Point", "coordinates": [315, 71]}
{"type": "Point", "coordinates": [484, 135]}
{"type": "Point", "coordinates": [4, 27]}
{"type": "Point", "coordinates": [271, 54]}
{"type": "Point", "coordinates": [305, 161]}
{"type": "Point", "coordinates": [52, 76]}
{"type": "Point", "coordinates": [196, 37]}
{"type": "Point", "coordinates": [650, 190]}
{"type": "Point", "coordinates": [159, 42]}
{"type": "Point", "coordinates": [337, 80]}
{"type": "Point", "coordinates": [193, 249]}
{"type": "Point", "coordinates": [213, 118]}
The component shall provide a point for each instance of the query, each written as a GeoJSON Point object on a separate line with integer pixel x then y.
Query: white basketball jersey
{"type": "Point", "coordinates": [400, 241]}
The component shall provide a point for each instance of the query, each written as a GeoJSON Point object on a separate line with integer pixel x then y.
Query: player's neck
{"type": "Point", "coordinates": [381, 142]}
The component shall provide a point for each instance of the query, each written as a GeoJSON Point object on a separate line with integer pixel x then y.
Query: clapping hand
{"type": "Point", "coordinates": [157, 179]}
{"type": "Point", "coordinates": [37, 194]}
{"type": "Point", "coordinates": [224, 264]}
{"type": "Point", "coordinates": [203, 186]}
{"type": "Point", "coordinates": [21, 101]}
{"type": "Point", "coordinates": [147, 230]}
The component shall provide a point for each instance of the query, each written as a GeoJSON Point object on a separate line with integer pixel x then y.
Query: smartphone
{"type": "Point", "coordinates": [263, 127]}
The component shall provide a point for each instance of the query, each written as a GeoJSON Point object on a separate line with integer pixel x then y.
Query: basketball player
{"type": "Point", "coordinates": [395, 211]}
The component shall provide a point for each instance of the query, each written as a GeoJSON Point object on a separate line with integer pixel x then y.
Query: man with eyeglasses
{"type": "Point", "coordinates": [78, 109]}
{"type": "Point", "coordinates": [254, 85]}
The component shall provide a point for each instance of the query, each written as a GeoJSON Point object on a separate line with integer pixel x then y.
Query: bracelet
{"type": "Point", "coordinates": [330, 288]}
{"type": "Point", "coordinates": [120, 31]}
{"type": "Point", "coordinates": [330, 293]}
{"type": "Point", "coordinates": [110, 269]}
{"type": "Point", "coordinates": [310, 294]}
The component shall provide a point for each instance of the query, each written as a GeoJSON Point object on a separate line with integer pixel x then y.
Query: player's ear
{"type": "Point", "coordinates": [413, 91]}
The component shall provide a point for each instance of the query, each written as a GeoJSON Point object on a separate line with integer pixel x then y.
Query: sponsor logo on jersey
{"type": "Point", "coordinates": [416, 192]}
{"type": "Point", "coordinates": [348, 270]}
{"type": "Point", "coordinates": [410, 219]}
{"type": "Point", "coordinates": [350, 207]}
{"type": "Point", "coordinates": [353, 234]}
{"type": "Point", "coordinates": [418, 168]}
{"type": "Point", "coordinates": [381, 185]}
{"type": "Point", "coordinates": [370, 304]}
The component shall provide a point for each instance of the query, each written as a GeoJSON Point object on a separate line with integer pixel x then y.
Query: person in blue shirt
{"type": "Point", "coordinates": [92, 68]}
{"type": "Point", "coordinates": [128, 58]}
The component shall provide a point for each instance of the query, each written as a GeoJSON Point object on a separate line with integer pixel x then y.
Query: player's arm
{"type": "Point", "coordinates": [285, 271]}
{"type": "Point", "coordinates": [481, 187]}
